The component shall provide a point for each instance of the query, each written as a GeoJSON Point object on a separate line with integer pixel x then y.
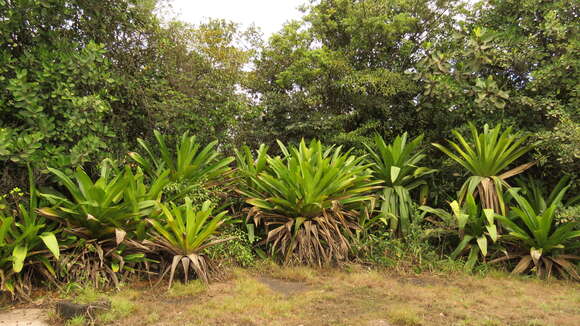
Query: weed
{"type": "Point", "coordinates": [238, 250]}
{"type": "Point", "coordinates": [412, 254]}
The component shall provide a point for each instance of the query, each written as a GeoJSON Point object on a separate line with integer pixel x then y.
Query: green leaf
{"type": "Point", "coordinates": [18, 256]}
{"type": "Point", "coordinates": [395, 173]}
{"type": "Point", "coordinates": [489, 214]}
{"type": "Point", "coordinates": [51, 243]}
{"type": "Point", "coordinates": [482, 243]}
{"type": "Point", "coordinates": [464, 242]}
{"type": "Point", "coordinates": [492, 230]}
{"type": "Point", "coordinates": [250, 228]}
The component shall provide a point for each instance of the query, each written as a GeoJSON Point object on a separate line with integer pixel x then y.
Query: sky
{"type": "Point", "coordinates": [269, 15]}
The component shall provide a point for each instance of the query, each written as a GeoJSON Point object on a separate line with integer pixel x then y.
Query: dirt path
{"type": "Point", "coordinates": [24, 317]}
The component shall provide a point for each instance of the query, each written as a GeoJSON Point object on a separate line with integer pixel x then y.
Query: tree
{"type": "Point", "coordinates": [59, 78]}
{"type": "Point", "coordinates": [342, 73]}
{"type": "Point", "coordinates": [516, 63]}
{"type": "Point", "coordinates": [82, 80]}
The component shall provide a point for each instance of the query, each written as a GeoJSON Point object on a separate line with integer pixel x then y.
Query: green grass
{"type": "Point", "coordinates": [122, 303]}
{"type": "Point", "coordinates": [188, 289]}
{"type": "Point", "coordinates": [76, 321]}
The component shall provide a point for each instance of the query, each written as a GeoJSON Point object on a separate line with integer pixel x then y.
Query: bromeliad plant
{"type": "Point", "coordinates": [189, 163]}
{"type": "Point", "coordinates": [542, 242]}
{"type": "Point", "coordinates": [486, 157]}
{"type": "Point", "coordinates": [113, 204]}
{"type": "Point", "coordinates": [248, 166]}
{"type": "Point", "coordinates": [25, 240]}
{"type": "Point", "coordinates": [476, 228]}
{"type": "Point", "coordinates": [533, 190]}
{"type": "Point", "coordinates": [396, 165]}
{"type": "Point", "coordinates": [185, 232]}
{"type": "Point", "coordinates": [105, 219]}
{"type": "Point", "coordinates": [305, 199]}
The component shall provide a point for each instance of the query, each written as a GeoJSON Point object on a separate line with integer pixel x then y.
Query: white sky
{"type": "Point", "coordinates": [268, 15]}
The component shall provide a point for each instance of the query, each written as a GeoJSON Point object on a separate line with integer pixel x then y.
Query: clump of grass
{"type": "Point", "coordinates": [248, 287]}
{"type": "Point", "coordinates": [87, 295]}
{"type": "Point", "coordinates": [51, 316]}
{"type": "Point", "coordinates": [188, 289]}
{"type": "Point", "coordinates": [76, 321]}
{"type": "Point", "coordinates": [120, 307]}
{"type": "Point", "coordinates": [246, 294]}
{"type": "Point", "coordinates": [404, 317]}
{"type": "Point", "coordinates": [121, 304]}
{"type": "Point", "coordinates": [152, 317]}
{"type": "Point", "coordinates": [289, 273]}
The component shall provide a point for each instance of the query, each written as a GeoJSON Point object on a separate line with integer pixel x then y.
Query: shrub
{"type": "Point", "coordinates": [541, 242]}
{"type": "Point", "coordinates": [237, 250]}
{"type": "Point", "coordinates": [395, 164]}
{"type": "Point", "coordinates": [187, 166]}
{"type": "Point", "coordinates": [186, 233]}
{"type": "Point", "coordinates": [488, 155]}
{"type": "Point", "coordinates": [413, 254]}
{"type": "Point", "coordinates": [104, 221]}
{"type": "Point", "coordinates": [474, 226]}
{"type": "Point", "coordinates": [305, 199]}
{"type": "Point", "coordinates": [26, 240]}
{"type": "Point", "coordinates": [107, 207]}
{"type": "Point", "coordinates": [533, 190]}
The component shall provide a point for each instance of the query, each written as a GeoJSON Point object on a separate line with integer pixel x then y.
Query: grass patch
{"type": "Point", "coordinates": [76, 321]}
{"type": "Point", "coordinates": [122, 304]}
{"type": "Point", "coordinates": [357, 296]}
{"type": "Point", "coordinates": [404, 317]}
{"type": "Point", "coordinates": [188, 289]}
{"type": "Point", "coordinates": [152, 317]}
{"type": "Point", "coordinates": [87, 295]}
{"type": "Point", "coordinates": [290, 273]}
{"type": "Point", "coordinates": [121, 307]}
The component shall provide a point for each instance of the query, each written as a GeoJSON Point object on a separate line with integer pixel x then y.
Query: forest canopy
{"type": "Point", "coordinates": [81, 80]}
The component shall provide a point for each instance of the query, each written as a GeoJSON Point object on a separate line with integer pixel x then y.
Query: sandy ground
{"type": "Point", "coordinates": [24, 317]}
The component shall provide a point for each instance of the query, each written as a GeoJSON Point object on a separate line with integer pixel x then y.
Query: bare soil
{"type": "Point", "coordinates": [24, 317]}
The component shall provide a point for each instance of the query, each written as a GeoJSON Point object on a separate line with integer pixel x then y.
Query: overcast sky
{"type": "Point", "coordinates": [269, 15]}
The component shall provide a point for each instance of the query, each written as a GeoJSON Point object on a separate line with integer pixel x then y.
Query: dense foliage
{"type": "Point", "coordinates": [83, 80]}
{"type": "Point", "coordinates": [120, 125]}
